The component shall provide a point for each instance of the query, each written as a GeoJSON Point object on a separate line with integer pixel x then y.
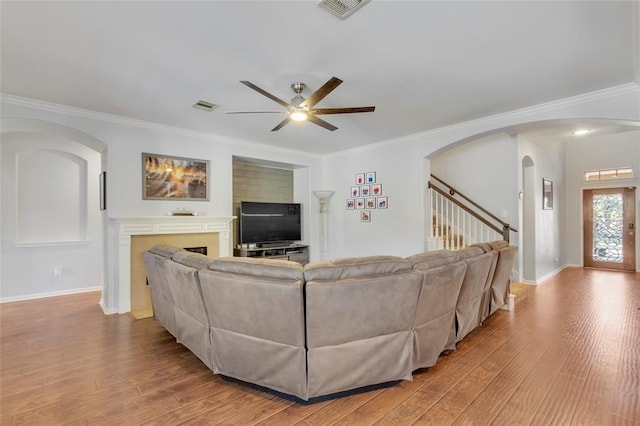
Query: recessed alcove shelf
{"type": "Point", "coordinates": [21, 244]}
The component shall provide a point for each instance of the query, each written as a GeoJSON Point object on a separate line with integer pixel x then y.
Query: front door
{"type": "Point", "coordinates": [609, 228]}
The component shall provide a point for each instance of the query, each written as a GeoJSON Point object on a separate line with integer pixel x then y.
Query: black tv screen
{"type": "Point", "coordinates": [269, 222]}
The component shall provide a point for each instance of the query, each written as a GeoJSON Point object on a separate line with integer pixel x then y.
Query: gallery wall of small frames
{"type": "Point", "coordinates": [366, 195]}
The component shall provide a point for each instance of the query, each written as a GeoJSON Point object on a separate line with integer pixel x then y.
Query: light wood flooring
{"type": "Point", "coordinates": [568, 355]}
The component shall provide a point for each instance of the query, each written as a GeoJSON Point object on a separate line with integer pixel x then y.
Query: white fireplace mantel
{"type": "Point", "coordinates": [116, 296]}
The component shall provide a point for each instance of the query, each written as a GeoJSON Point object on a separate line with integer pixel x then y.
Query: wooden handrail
{"type": "Point", "coordinates": [465, 208]}
{"type": "Point", "coordinates": [454, 191]}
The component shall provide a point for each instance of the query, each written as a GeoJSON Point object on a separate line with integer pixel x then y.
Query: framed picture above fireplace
{"type": "Point", "coordinates": [167, 177]}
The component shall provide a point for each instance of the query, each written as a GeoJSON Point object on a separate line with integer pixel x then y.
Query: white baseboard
{"type": "Point", "coordinates": [49, 294]}
{"type": "Point", "coordinates": [105, 310]}
{"type": "Point", "coordinates": [550, 274]}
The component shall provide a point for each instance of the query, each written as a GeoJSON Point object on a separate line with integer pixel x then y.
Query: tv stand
{"type": "Point", "coordinates": [283, 251]}
{"type": "Point", "coordinates": [273, 245]}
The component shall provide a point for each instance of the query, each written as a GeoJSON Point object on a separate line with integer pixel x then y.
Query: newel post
{"type": "Point", "coordinates": [505, 232]}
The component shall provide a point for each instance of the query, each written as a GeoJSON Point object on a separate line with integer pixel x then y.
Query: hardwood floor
{"type": "Point", "coordinates": [569, 354]}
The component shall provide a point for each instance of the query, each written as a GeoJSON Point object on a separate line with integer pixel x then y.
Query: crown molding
{"type": "Point", "coordinates": [132, 122]}
{"type": "Point", "coordinates": [502, 120]}
{"type": "Point", "coordinates": [497, 120]}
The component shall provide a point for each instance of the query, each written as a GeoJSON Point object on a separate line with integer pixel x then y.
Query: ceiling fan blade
{"type": "Point", "coordinates": [265, 93]}
{"type": "Point", "coordinates": [343, 110]}
{"type": "Point", "coordinates": [312, 118]}
{"type": "Point", "coordinates": [282, 123]}
{"type": "Point", "coordinates": [319, 94]}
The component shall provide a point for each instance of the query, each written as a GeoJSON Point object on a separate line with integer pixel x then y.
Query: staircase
{"type": "Point", "coordinates": [458, 222]}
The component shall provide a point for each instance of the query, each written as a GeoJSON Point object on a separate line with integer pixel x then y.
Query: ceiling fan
{"type": "Point", "coordinates": [300, 109]}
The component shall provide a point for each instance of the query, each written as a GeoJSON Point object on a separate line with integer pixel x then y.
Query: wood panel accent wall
{"type": "Point", "coordinates": [140, 298]}
{"type": "Point", "coordinates": [259, 183]}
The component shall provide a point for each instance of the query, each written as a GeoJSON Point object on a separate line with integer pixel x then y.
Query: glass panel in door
{"type": "Point", "coordinates": [609, 234]}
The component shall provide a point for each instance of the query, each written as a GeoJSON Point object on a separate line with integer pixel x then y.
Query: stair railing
{"type": "Point", "coordinates": [458, 221]}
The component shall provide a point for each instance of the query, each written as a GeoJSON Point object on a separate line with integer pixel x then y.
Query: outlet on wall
{"type": "Point", "coordinates": [57, 272]}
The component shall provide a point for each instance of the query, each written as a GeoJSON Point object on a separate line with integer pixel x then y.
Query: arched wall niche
{"type": "Point", "coordinates": [51, 196]}
{"type": "Point", "coordinates": [52, 230]}
{"type": "Point", "coordinates": [50, 176]}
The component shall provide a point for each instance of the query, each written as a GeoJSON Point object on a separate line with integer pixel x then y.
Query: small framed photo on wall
{"type": "Point", "coordinates": [359, 178]}
{"type": "Point", "coordinates": [365, 190]}
{"type": "Point", "coordinates": [383, 202]}
{"type": "Point", "coordinates": [360, 203]}
{"type": "Point", "coordinates": [365, 216]}
{"type": "Point", "coordinates": [371, 203]}
{"type": "Point", "coordinates": [371, 177]}
{"type": "Point", "coordinates": [355, 191]}
{"type": "Point", "coordinates": [376, 189]}
{"type": "Point", "coordinates": [351, 204]}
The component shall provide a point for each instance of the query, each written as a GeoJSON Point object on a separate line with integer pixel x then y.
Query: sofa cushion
{"type": "Point", "coordinates": [165, 250]}
{"type": "Point", "coordinates": [484, 246]}
{"type": "Point", "coordinates": [498, 244]}
{"type": "Point", "coordinates": [354, 267]}
{"type": "Point", "coordinates": [193, 260]}
{"type": "Point", "coordinates": [468, 252]}
{"type": "Point", "coordinates": [268, 268]}
{"type": "Point", "coordinates": [433, 259]}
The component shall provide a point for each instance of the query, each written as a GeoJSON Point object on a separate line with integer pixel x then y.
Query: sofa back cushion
{"type": "Point", "coordinates": [354, 267]}
{"type": "Point", "coordinates": [260, 298]}
{"type": "Point", "coordinates": [192, 260]}
{"type": "Point", "coordinates": [165, 250]}
{"type": "Point", "coordinates": [433, 259]}
{"type": "Point", "coordinates": [251, 266]}
{"type": "Point", "coordinates": [350, 309]}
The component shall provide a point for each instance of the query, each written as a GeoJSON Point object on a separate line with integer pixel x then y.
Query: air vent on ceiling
{"type": "Point", "coordinates": [205, 106]}
{"type": "Point", "coordinates": [342, 8]}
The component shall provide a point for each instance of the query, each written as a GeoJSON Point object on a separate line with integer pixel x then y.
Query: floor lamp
{"type": "Point", "coordinates": [323, 197]}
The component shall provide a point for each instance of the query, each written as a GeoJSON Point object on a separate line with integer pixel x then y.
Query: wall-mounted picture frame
{"type": "Point", "coordinates": [351, 204]}
{"type": "Point", "coordinates": [382, 202]}
{"type": "Point", "coordinates": [365, 216]}
{"type": "Point", "coordinates": [360, 203]}
{"type": "Point", "coordinates": [376, 189]}
{"type": "Point", "coordinates": [547, 194]}
{"type": "Point", "coordinates": [359, 178]}
{"type": "Point", "coordinates": [365, 190]}
{"type": "Point", "coordinates": [355, 191]}
{"type": "Point", "coordinates": [102, 179]}
{"type": "Point", "coordinates": [166, 177]}
{"type": "Point", "coordinates": [371, 203]}
{"type": "Point", "coordinates": [370, 177]}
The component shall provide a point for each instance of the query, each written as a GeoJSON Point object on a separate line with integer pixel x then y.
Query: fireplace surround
{"type": "Point", "coordinates": [116, 294]}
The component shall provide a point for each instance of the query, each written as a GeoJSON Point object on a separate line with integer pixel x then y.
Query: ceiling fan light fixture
{"type": "Point", "coordinates": [298, 115]}
{"type": "Point", "coordinates": [581, 132]}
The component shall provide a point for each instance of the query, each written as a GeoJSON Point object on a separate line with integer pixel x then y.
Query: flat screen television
{"type": "Point", "coordinates": [269, 222]}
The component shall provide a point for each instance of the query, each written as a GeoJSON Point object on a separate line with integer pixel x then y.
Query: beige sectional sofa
{"type": "Point", "coordinates": [329, 326]}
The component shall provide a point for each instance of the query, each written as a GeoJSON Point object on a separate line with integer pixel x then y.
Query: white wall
{"type": "Point", "coordinates": [548, 159]}
{"type": "Point", "coordinates": [52, 216]}
{"type": "Point", "coordinates": [402, 166]}
{"type": "Point", "coordinates": [485, 170]}
{"type": "Point", "coordinates": [593, 153]}
{"type": "Point", "coordinates": [398, 229]}
{"type": "Point", "coordinates": [125, 140]}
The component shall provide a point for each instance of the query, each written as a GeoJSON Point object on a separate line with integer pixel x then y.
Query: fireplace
{"type": "Point", "coordinates": [125, 289]}
{"type": "Point", "coordinates": [200, 250]}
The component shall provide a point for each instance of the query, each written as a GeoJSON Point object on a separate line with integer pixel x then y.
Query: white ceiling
{"type": "Point", "coordinates": [423, 64]}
